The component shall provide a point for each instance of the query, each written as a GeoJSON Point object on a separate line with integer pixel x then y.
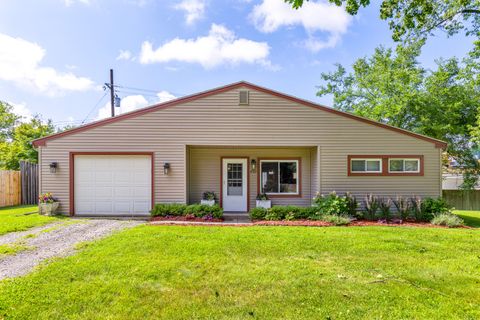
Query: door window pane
{"type": "Point", "coordinates": [235, 179]}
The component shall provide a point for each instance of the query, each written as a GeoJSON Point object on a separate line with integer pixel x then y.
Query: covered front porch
{"type": "Point", "coordinates": [288, 175]}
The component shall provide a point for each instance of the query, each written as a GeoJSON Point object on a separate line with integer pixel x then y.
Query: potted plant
{"type": "Point", "coordinates": [48, 205]}
{"type": "Point", "coordinates": [263, 201]}
{"type": "Point", "coordinates": [208, 198]}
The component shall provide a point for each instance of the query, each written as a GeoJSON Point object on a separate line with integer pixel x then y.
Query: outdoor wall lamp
{"type": "Point", "coordinates": [53, 167]}
{"type": "Point", "coordinates": [166, 168]}
{"type": "Point", "coordinates": [253, 165]}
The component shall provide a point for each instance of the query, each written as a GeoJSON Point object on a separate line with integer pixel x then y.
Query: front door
{"type": "Point", "coordinates": [234, 192]}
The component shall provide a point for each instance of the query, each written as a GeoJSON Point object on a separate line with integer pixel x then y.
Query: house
{"type": "Point", "coordinates": [237, 140]}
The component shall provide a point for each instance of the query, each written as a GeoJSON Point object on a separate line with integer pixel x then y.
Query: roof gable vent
{"type": "Point", "coordinates": [243, 97]}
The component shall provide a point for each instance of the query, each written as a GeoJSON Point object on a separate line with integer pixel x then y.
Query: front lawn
{"type": "Point", "coordinates": [471, 218]}
{"type": "Point", "coordinates": [15, 218]}
{"type": "Point", "coordinates": [187, 272]}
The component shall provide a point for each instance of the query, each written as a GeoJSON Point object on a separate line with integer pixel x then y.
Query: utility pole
{"type": "Point", "coordinates": [112, 92]}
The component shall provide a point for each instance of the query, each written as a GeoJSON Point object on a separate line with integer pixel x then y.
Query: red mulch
{"type": "Point", "coordinates": [184, 218]}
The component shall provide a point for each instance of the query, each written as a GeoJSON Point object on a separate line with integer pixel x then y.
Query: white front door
{"type": "Point", "coordinates": [234, 192]}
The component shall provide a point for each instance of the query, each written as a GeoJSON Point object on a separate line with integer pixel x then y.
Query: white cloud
{"type": "Point", "coordinates": [125, 55]}
{"type": "Point", "coordinates": [21, 110]}
{"type": "Point", "coordinates": [194, 10]}
{"type": "Point", "coordinates": [133, 102]}
{"type": "Point", "coordinates": [315, 17]}
{"type": "Point", "coordinates": [20, 64]}
{"type": "Point", "coordinates": [68, 3]}
{"type": "Point", "coordinates": [220, 46]}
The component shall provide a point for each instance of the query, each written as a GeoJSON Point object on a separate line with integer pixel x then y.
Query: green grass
{"type": "Point", "coordinates": [14, 219]}
{"type": "Point", "coordinates": [471, 218]}
{"type": "Point", "coordinates": [175, 272]}
{"type": "Point", "coordinates": [8, 249]}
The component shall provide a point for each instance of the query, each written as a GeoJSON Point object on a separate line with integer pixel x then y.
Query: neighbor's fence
{"type": "Point", "coordinates": [463, 200]}
{"type": "Point", "coordinates": [10, 188]}
{"type": "Point", "coordinates": [29, 174]}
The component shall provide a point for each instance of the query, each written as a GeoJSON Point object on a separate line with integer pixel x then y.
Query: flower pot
{"type": "Point", "coordinates": [208, 202]}
{"type": "Point", "coordinates": [267, 204]}
{"type": "Point", "coordinates": [48, 209]}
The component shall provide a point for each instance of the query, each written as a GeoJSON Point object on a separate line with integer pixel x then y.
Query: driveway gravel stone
{"type": "Point", "coordinates": [58, 241]}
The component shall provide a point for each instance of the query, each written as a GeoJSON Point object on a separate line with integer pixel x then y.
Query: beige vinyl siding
{"type": "Point", "coordinates": [268, 121]}
{"type": "Point", "coordinates": [205, 171]}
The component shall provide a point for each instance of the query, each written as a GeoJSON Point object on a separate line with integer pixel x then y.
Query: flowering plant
{"type": "Point", "coordinates": [46, 198]}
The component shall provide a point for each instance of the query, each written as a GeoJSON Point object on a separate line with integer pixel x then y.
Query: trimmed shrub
{"type": "Point", "coordinates": [447, 219]}
{"type": "Point", "coordinates": [371, 207]}
{"type": "Point", "coordinates": [338, 220]}
{"type": "Point", "coordinates": [331, 204]}
{"type": "Point", "coordinates": [276, 213]}
{"type": "Point", "coordinates": [197, 210]}
{"type": "Point", "coordinates": [258, 213]}
{"type": "Point", "coordinates": [432, 206]}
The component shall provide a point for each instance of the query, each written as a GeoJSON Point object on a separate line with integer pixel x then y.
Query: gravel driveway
{"type": "Point", "coordinates": [57, 239]}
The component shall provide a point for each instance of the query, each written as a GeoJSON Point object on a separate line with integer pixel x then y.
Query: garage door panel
{"type": "Point", "coordinates": [112, 185]}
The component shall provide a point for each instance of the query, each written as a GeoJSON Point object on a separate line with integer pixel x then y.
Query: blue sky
{"type": "Point", "coordinates": [56, 54]}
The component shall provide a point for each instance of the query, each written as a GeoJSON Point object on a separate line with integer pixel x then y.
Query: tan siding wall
{"type": "Point", "coordinates": [205, 171]}
{"type": "Point", "coordinates": [268, 121]}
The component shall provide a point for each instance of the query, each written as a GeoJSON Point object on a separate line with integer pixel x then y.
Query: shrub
{"type": "Point", "coordinates": [384, 205]}
{"type": "Point", "coordinates": [403, 207]}
{"type": "Point", "coordinates": [209, 195]}
{"type": "Point", "coordinates": [417, 208]}
{"type": "Point", "coordinates": [352, 205]}
{"type": "Point", "coordinates": [432, 206]}
{"type": "Point", "coordinates": [276, 213]}
{"type": "Point", "coordinates": [196, 210]}
{"type": "Point", "coordinates": [258, 213]}
{"type": "Point", "coordinates": [165, 209]}
{"type": "Point", "coordinates": [447, 219]}
{"type": "Point", "coordinates": [338, 220]}
{"type": "Point", "coordinates": [371, 206]}
{"type": "Point", "coordinates": [310, 213]}
{"type": "Point", "coordinates": [331, 204]}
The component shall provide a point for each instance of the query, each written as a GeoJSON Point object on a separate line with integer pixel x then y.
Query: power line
{"type": "Point", "coordinates": [94, 107]}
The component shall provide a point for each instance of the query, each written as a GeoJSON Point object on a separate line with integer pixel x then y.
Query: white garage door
{"type": "Point", "coordinates": [112, 184]}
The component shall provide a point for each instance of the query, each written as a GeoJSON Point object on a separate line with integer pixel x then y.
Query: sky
{"type": "Point", "coordinates": [55, 55]}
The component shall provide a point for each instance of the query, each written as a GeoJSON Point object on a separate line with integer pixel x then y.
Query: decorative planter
{"type": "Point", "coordinates": [208, 202]}
{"type": "Point", "coordinates": [267, 204]}
{"type": "Point", "coordinates": [48, 209]}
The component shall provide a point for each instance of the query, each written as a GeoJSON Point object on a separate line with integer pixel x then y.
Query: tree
{"type": "Point", "coordinates": [419, 18]}
{"type": "Point", "coordinates": [19, 147]}
{"type": "Point", "coordinates": [7, 121]}
{"type": "Point", "coordinates": [392, 87]}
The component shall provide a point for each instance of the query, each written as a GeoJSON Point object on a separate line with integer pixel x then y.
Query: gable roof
{"type": "Point", "coordinates": [203, 94]}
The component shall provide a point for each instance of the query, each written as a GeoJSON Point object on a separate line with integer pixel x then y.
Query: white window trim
{"type": "Point", "coordinates": [366, 159]}
{"type": "Point", "coordinates": [403, 159]}
{"type": "Point", "coordinates": [280, 193]}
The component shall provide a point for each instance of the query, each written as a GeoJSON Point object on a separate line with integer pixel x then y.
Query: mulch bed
{"type": "Point", "coordinates": [184, 218]}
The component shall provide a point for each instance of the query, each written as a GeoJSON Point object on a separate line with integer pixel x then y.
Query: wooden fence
{"type": "Point", "coordinates": [29, 174]}
{"type": "Point", "coordinates": [10, 188]}
{"type": "Point", "coordinates": [463, 200]}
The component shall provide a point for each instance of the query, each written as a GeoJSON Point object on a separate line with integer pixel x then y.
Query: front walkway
{"type": "Point", "coordinates": [53, 240]}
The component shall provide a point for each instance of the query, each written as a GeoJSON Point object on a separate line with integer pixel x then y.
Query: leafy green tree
{"type": "Point", "coordinates": [391, 87]}
{"type": "Point", "coordinates": [19, 147]}
{"type": "Point", "coordinates": [419, 18]}
{"type": "Point", "coordinates": [7, 121]}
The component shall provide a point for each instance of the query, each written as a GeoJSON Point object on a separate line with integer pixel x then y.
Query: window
{"type": "Point", "coordinates": [243, 98]}
{"type": "Point", "coordinates": [366, 165]}
{"type": "Point", "coordinates": [403, 165]}
{"type": "Point", "coordinates": [279, 176]}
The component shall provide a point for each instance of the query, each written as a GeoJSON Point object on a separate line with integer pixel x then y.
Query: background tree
{"type": "Point", "coordinates": [392, 87]}
{"type": "Point", "coordinates": [16, 137]}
